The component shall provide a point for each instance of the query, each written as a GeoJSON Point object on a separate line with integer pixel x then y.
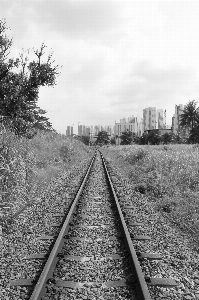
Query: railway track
{"type": "Point", "coordinates": [92, 256]}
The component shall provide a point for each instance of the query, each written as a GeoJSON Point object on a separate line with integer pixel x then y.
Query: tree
{"type": "Point", "coordinates": [143, 139]}
{"type": "Point", "coordinates": [153, 137]}
{"type": "Point", "coordinates": [194, 134]}
{"type": "Point", "coordinates": [189, 122]}
{"type": "Point", "coordinates": [126, 138]}
{"type": "Point", "coordinates": [166, 138]}
{"type": "Point", "coordinates": [190, 116]}
{"type": "Point", "coordinates": [102, 138]}
{"type": "Point", "coordinates": [20, 80]}
{"type": "Point", "coordinates": [113, 142]}
{"type": "Point", "coordinates": [85, 139]}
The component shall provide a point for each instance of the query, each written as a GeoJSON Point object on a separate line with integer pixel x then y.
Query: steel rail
{"type": "Point", "coordinates": [141, 285]}
{"type": "Point", "coordinates": [40, 287]}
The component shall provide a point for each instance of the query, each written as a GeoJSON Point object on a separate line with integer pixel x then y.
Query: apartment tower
{"type": "Point", "coordinates": [149, 118]}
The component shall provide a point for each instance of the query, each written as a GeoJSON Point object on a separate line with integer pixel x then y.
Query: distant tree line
{"type": "Point", "coordinates": [20, 81]}
{"type": "Point", "coordinates": [188, 131]}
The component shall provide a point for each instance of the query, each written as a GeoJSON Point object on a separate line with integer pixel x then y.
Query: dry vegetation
{"type": "Point", "coordinates": [167, 175]}
{"type": "Point", "coordinates": [28, 166]}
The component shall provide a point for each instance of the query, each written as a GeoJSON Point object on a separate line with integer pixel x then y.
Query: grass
{"type": "Point", "coordinates": [28, 166]}
{"type": "Point", "coordinates": [167, 175]}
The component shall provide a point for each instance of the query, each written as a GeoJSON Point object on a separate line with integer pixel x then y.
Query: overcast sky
{"type": "Point", "coordinates": [117, 57]}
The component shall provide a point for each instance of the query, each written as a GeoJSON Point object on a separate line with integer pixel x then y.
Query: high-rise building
{"type": "Point", "coordinates": [149, 118]}
{"type": "Point", "coordinates": [79, 130]}
{"type": "Point", "coordinates": [93, 130]}
{"type": "Point", "coordinates": [176, 117]}
{"type": "Point", "coordinates": [97, 129]}
{"type": "Point", "coordinates": [132, 124]}
{"type": "Point", "coordinates": [160, 119]}
{"type": "Point", "coordinates": [124, 120]}
{"type": "Point", "coordinates": [69, 130]}
{"type": "Point", "coordinates": [109, 129]}
{"type": "Point", "coordinates": [140, 126]}
{"type": "Point", "coordinates": [87, 130]}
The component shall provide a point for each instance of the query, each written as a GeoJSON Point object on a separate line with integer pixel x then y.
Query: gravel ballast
{"type": "Point", "coordinates": [179, 251]}
{"type": "Point", "coordinates": [20, 239]}
{"type": "Point", "coordinates": [180, 257]}
{"type": "Point", "coordinates": [95, 246]}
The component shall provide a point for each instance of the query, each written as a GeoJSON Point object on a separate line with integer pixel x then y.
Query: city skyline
{"type": "Point", "coordinates": [152, 118]}
{"type": "Point", "coordinates": [116, 56]}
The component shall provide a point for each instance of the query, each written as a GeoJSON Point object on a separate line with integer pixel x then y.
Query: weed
{"type": "Point", "coordinates": [136, 156]}
{"type": "Point", "coordinates": [168, 206]}
{"type": "Point", "coordinates": [63, 151]}
{"type": "Point", "coordinates": [141, 188]}
{"type": "Point", "coordinates": [168, 175]}
{"type": "Point", "coordinates": [27, 166]}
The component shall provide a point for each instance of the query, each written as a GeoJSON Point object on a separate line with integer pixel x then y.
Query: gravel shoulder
{"type": "Point", "coordinates": [179, 250]}
{"type": "Point", "coordinates": [20, 238]}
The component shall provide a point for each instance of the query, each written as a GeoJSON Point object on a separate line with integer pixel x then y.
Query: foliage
{"type": "Point", "coordinates": [153, 137]}
{"type": "Point", "coordinates": [126, 138]}
{"type": "Point", "coordinates": [188, 131]}
{"type": "Point", "coordinates": [166, 138]}
{"type": "Point", "coordinates": [167, 175]}
{"type": "Point", "coordinates": [143, 139]}
{"type": "Point", "coordinates": [27, 166]}
{"type": "Point", "coordinates": [85, 139]}
{"type": "Point", "coordinates": [194, 134]}
{"type": "Point", "coordinates": [102, 138]}
{"type": "Point", "coordinates": [136, 156]}
{"type": "Point", "coordinates": [113, 141]}
{"type": "Point", "coordinates": [20, 80]}
{"type": "Point", "coordinates": [190, 116]}
{"type": "Point", "coordinates": [189, 121]}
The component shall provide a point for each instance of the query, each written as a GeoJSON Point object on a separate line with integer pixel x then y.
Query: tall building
{"type": "Point", "coordinates": [83, 130]}
{"type": "Point", "coordinates": [92, 129]}
{"type": "Point", "coordinates": [133, 124]}
{"type": "Point", "coordinates": [69, 130]}
{"type": "Point", "coordinates": [160, 119]}
{"type": "Point", "coordinates": [97, 129]}
{"type": "Point", "coordinates": [109, 129]}
{"type": "Point", "coordinates": [149, 118]}
{"type": "Point", "coordinates": [87, 130]}
{"type": "Point", "coordinates": [80, 130]}
{"type": "Point", "coordinates": [176, 117]}
{"type": "Point", "coordinates": [140, 126]}
{"type": "Point", "coordinates": [124, 120]}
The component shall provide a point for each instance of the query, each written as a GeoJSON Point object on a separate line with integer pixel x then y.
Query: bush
{"type": "Point", "coordinates": [134, 157]}
{"type": "Point", "coordinates": [168, 176]}
{"type": "Point", "coordinates": [141, 188]}
{"type": "Point", "coordinates": [167, 206]}
{"type": "Point", "coordinates": [63, 151]}
{"type": "Point", "coordinates": [28, 166]}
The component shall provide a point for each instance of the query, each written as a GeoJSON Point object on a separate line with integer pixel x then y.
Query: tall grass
{"type": "Point", "coordinates": [28, 166]}
{"type": "Point", "coordinates": [168, 175]}
{"type": "Point", "coordinates": [173, 168]}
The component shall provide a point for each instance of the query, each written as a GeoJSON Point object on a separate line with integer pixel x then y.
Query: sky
{"type": "Point", "coordinates": [117, 57]}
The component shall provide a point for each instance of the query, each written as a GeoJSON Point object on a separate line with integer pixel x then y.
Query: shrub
{"type": "Point", "coordinates": [167, 206]}
{"type": "Point", "coordinates": [63, 151]}
{"type": "Point", "coordinates": [27, 166]}
{"type": "Point", "coordinates": [168, 176]}
{"type": "Point", "coordinates": [141, 188]}
{"type": "Point", "coordinates": [136, 156]}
